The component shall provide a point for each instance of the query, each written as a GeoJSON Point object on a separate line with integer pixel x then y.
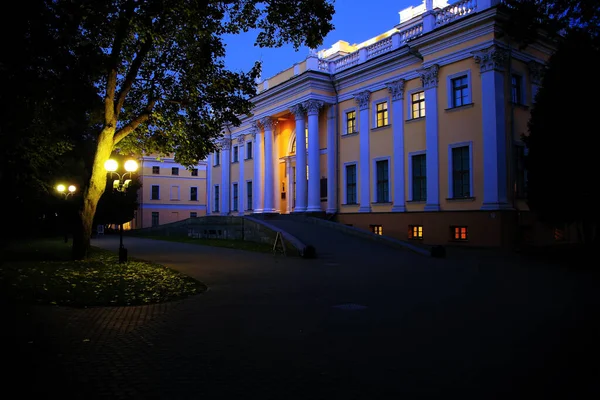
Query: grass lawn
{"type": "Point", "coordinates": [230, 244]}
{"type": "Point", "coordinates": [42, 272]}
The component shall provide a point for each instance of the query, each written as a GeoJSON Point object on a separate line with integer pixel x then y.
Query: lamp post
{"type": "Point", "coordinates": [121, 185]}
{"type": "Point", "coordinates": [66, 192]}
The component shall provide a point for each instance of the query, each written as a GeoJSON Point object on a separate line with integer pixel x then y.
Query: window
{"type": "Point", "coordinates": [156, 170]}
{"type": "Point", "coordinates": [193, 214]}
{"type": "Point", "coordinates": [460, 233]}
{"type": "Point", "coordinates": [460, 91]}
{"type": "Point", "coordinates": [418, 105]}
{"type": "Point", "coordinates": [383, 184]}
{"type": "Point", "coordinates": [216, 205]}
{"type": "Point", "coordinates": [249, 151]}
{"type": "Point", "coordinates": [559, 234]}
{"type": "Point", "coordinates": [376, 229]}
{"type": "Point", "coordinates": [415, 232]}
{"type": "Point", "coordinates": [195, 172]}
{"type": "Point", "coordinates": [249, 195]}
{"type": "Point", "coordinates": [174, 171]}
{"type": "Point", "coordinates": [419, 178]}
{"type": "Point", "coordinates": [155, 192]}
{"type": "Point", "coordinates": [521, 172]}
{"type": "Point", "coordinates": [234, 206]}
{"type": "Point", "coordinates": [461, 177]}
{"type": "Point", "coordinates": [235, 154]}
{"type": "Point", "coordinates": [193, 194]}
{"type": "Point", "coordinates": [217, 158]}
{"type": "Point", "coordinates": [382, 114]}
{"type": "Point", "coordinates": [350, 122]}
{"type": "Point", "coordinates": [323, 189]}
{"type": "Point", "coordinates": [351, 184]}
{"type": "Point", "coordinates": [155, 218]}
{"type": "Point", "coordinates": [516, 82]}
{"type": "Point", "coordinates": [306, 142]}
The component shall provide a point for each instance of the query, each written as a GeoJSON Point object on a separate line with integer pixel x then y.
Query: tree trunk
{"type": "Point", "coordinates": [95, 189]}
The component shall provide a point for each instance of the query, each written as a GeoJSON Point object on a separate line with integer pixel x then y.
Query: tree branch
{"type": "Point", "coordinates": [134, 123]}
{"type": "Point", "coordinates": [131, 75]}
{"type": "Point", "coordinates": [115, 54]}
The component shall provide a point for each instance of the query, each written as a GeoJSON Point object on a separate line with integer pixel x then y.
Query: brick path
{"type": "Point", "coordinates": [267, 328]}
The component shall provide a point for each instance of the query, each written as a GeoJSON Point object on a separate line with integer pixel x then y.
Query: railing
{"type": "Point", "coordinates": [346, 61]}
{"type": "Point", "coordinates": [410, 33]}
{"type": "Point", "coordinates": [323, 65]}
{"type": "Point", "coordinates": [455, 11]}
{"type": "Point", "coordinates": [380, 47]}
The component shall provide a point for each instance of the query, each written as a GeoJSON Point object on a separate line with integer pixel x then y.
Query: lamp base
{"type": "Point", "coordinates": [122, 255]}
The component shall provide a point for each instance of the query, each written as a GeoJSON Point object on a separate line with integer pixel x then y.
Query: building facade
{"type": "Point", "coordinates": [414, 134]}
{"type": "Point", "coordinates": [169, 192]}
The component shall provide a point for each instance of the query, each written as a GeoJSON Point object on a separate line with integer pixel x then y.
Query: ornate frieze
{"type": "Point", "coordinates": [396, 88]}
{"type": "Point", "coordinates": [312, 106]}
{"type": "Point", "coordinates": [362, 99]}
{"type": "Point", "coordinates": [429, 76]}
{"type": "Point", "coordinates": [491, 59]}
{"type": "Point", "coordinates": [536, 72]}
{"type": "Point", "coordinates": [298, 110]}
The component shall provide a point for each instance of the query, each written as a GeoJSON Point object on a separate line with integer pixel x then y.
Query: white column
{"type": "Point", "coordinates": [267, 124]}
{"type": "Point", "coordinates": [276, 170]}
{"type": "Point", "coordinates": [331, 160]}
{"type": "Point", "coordinates": [314, 155]}
{"type": "Point", "coordinates": [257, 186]}
{"type": "Point", "coordinates": [362, 99]}
{"type": "Point", "coordinates": [241, 180]}
{"type": "Point", "coordinates": [209, 167]}
{"type": "Point", "coordinates": [536, 72]}
{"type": "Point", "coordinates": [225, 173]}
{"type": "Point", "coordinates": [491, 63]}
{"type": "Point", "coordinates": [289, 183]}
{"type": "Point", "coordinates": [301, 182]}
{"type": "Point", "coordinates": [396, 88]}
{"type": "Point", "coordinates": [429, 79]}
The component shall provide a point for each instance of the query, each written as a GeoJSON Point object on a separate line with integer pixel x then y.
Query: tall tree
{"type": "Point", "coordinates": [562, 163]}
{"type": "Point", "coordinates": [165, 86]}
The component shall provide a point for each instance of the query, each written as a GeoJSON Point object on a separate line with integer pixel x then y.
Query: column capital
{"type": "Point", "coordinates": [225, 143]}
{"type": "Point", "coordinates": [362, 99]}
{"type": "Point", "coordinates": [267, 123]}
{"type": "Point", "coordinates": [254, 129]}
{"type": "Point", "coordinates": [493, 58]}
{"type": "Point", "coordinates": [429, 76]}
{"type": "Point", "coordinates": [536, 72]}
{"type": "Point", "coordinates": [241, 139]}
{"type": "Point", "coordinates": [312, 106]}
{"type": "Point", "coordinates": [396, 88]}
{"type": "Point", "coordinates": [298, 110]}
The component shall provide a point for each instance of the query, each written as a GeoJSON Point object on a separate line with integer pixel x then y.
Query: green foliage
{"type": "Point", "coordinates": [173, 93]}
{"type": "Point", "coordinates": [562, 165]}
{"type": "Point", "coordinates": [41, 274]}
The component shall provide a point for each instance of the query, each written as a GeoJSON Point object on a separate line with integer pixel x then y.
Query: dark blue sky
{"type": "Point", "coordinates": [354, 20]}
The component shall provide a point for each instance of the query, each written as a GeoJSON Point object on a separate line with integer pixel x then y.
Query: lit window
{"type": "Point", "coordinates": [415, 231]}
{"type": "Point", "coordinates": [459, 233]}
{"type": "Point", "coordinates": [174, 171]}
{"type": "Point", "coordinates": [376, 229]}
{"type": "Point", "coordinates": [382, 114]}
{"type": "Point", "coordinates": [350, 122]}
{"type": "Point", "coordinates": [418, 105]}
{"type": "Point", "coordinates": [156, 170]}
{"type": "Point", "coordinates": [460, 91]}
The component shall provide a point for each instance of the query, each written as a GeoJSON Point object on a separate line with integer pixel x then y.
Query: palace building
{"type": "Point", "coordinates": [413, 134]}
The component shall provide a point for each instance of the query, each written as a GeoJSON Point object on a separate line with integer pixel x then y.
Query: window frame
{"type": "Point", "coordinates": [157, 169]}
{"type": "Point", "coordinates": [195, 214]}
{"type": "Point", "coordinates": [175, 171]}
{"type": "Point", "coordinates": [194, 172]}
{"type": "Point", "coordinates": [411, 196]}
{"type": "Point", "coordinates": [249, 195]}
{"type": "Point", "coordinates": [192, 197]}
{"type": "Point", "coordinates": [375, 113]}
{"type": "Point", "coordinates": [345, 186]}
{"type": "Point", "coordinates": [157, 192]}
{"type": "Point", "coordinates": [521, 88]}
{"type": "Point", "coordinates": [345, 121]}
{"type": "Point", "coordinates": [235, 156]}
{"type": "Point", "coordinates": [419, 232]}
{"type": "Point", "coordinates": [157, 215]}
{"type": "Point", "coordinates": [249, 150]}
{"type": "Point", "coordinates": [450, 91]}
{"type": "Point", "coordinates": [375, 180]}
{"type": "Point", "coordinates": [409, 104]}
{"type": "Point", "coordinates": [216, 198]}
{"type": "Point", "coordinates": [453, 232]}
{"type": "Point", "coordinates": [451, 147]}
{"type": "Point", "coordinates": [235, 193]}
{"type": "Point", "coordinates": [217, 158]}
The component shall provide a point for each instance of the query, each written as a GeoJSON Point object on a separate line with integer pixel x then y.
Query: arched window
{"type": "Point", "coordinates": [293, 151]}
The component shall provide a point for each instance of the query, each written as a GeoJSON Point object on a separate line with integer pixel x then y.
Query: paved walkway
{"type": "Point", "coordinates": [367, 322]}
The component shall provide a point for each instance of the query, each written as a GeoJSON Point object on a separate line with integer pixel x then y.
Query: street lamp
{"type": "Point", "coordinates": [121, 185]}
{"type": "Point", "coordinates": [66, 192]}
